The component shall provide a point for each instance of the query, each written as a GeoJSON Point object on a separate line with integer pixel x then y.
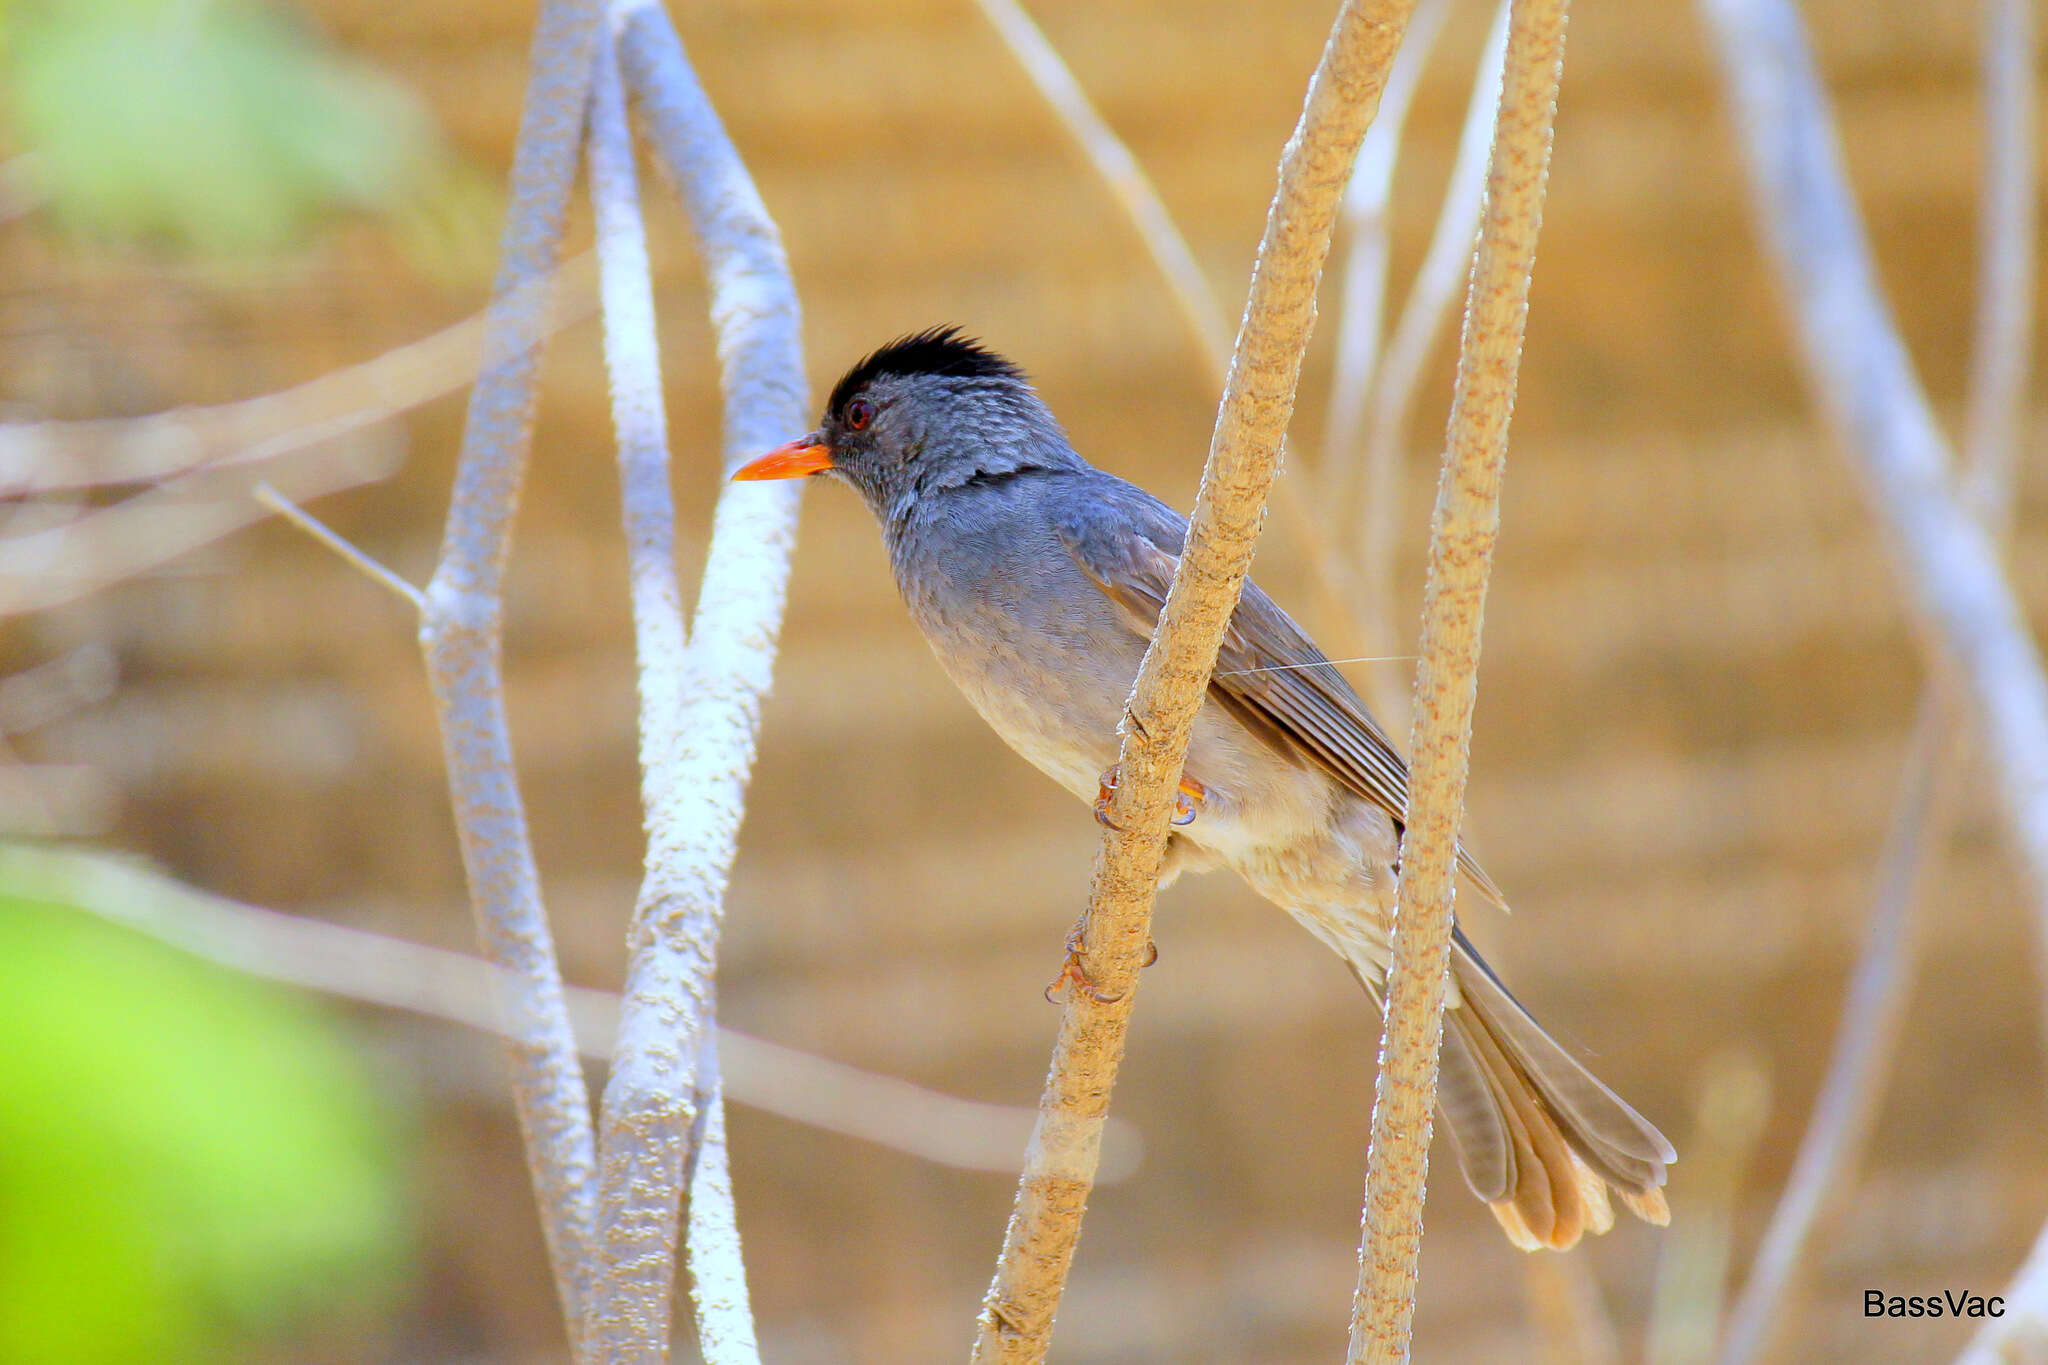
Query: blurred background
{"type": "Point", "coordinates": [1697, 689]}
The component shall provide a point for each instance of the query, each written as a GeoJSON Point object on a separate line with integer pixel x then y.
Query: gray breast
{"type": "Point", "coordinates": [1029, 640]}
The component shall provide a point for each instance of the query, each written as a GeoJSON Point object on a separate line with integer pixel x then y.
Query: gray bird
{"type": "Point", "coordinates": [1037, 579]}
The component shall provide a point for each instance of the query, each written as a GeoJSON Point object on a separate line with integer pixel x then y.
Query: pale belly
{"type": "Point", "coordinates": [1301, 841]}
{"type": "Point", "coordinates": [1283, 823]}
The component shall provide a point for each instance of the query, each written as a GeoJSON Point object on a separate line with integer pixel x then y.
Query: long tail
{"type": "Point", "coordinates": [1539, 1139]}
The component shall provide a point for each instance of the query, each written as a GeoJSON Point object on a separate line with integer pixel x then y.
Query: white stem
{"type": "Point", "coordinates": [374, 969]}
{"type": "Point", "coordinates": [1873, 1014]}
{"type": "Point", "coordinates": [697, 771]}
{"type": "Point", "coordinates": [718, 1274]}
{"type": "Point", "coordinates": [462, 637]}
{"type": "Point", "coordinates": [649, 1099]}
{"type": "Point", "coordinates": [1970, 620]}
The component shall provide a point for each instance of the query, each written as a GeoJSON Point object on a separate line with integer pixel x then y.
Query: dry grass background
{"type": "Point", "coordinates": [1693, 707]}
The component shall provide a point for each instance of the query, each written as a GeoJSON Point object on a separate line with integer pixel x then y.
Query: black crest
{"type": "Point", "coordinates": [937, 350]}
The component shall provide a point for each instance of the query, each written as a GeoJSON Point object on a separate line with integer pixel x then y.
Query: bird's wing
{"type": "Point", "coordinates": [1268, 672]}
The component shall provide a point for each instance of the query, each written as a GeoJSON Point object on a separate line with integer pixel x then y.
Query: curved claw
{"type": "Point", "coordinates": [1105, 788]}
{"type": "Point", "coordinates": [1186, 805]}
{"type": "Point", "coordinates": [1072, 973]}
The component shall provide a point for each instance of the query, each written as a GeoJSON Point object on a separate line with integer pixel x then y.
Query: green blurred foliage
{"type": "Point", "coordinates": [191, 1163]}
{"type": "Point", "coordinates": [223, 128]}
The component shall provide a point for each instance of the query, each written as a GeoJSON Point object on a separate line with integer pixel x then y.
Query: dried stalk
{"type": "Point", "coordinates": [1562, 1297]}
{"type": "Point", "coordinates": [1462, 535]}
{"type": "Point", "coordinates": [702, 715]}
{"type": "Point", "coordinates": [1969, 619]}
{"type": "Point", "coordinates": [2007, 233]}
{"type": "Point", "coordinates": [354, 555]}
{"type": "Point", "coordinates": [1168, 247]}
{"type": "Point", "coordinates": [1120, 171]}
{"type": "Point", "coordinates": [1873, 1017]}
{"type": "Point", "coordinates": [1017, 1315]}
{"type": "Point", "coordinates": [1398, 375]}
{"type": "Point", "coordinates": [462, 637]}
{"type": "Point", "coordinates": [1901, 447]}
{"type": "Point", "coordinates": [718, 1280]}
{"type": "Point", "coordinates": [1366, 226]}
{"type": "Point", "coordinates": [1691, 1289]}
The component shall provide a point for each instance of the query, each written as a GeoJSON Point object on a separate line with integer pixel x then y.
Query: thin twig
{"type": "Point", "coordinates": [50, 456]}
{"type": "Point", "coordinates": [87, 550]}
{"type": "Point", "coordinates": [1398, 377]}
{"type": "Point", "coordinates": [1998, 383]}
{"type": "Point", "coordinates": [375, 969]}
{"type": "Point", "coordinates": [356, 557]}
{"type": "Point", "coordinates": [46, 693]}
{"type": "Point", "coordinates": [461, 635]}
{"type": "Point", "coordinates": [1691, 1287]}
{"type": "Point", "coordinates": [1873, 1015]}
{"type": "Point", "coordinates": [1873, 1018]}
{"type": "Point", "coordinates": [698, 795]}
{"type": "Point", "coordinates": [1462, 535]}
{"type": "Point", "coordinates": [1126, 179]}
{"type": "Point", "coordinates": [718, 1275]}
{"type": "Point", "coordinates": [1874, 1012]}
{"type": "Point", "coordinates": [2007, 232]}
{"type": "Point", "coordinates": [1969, 620]}
{"type": "Point", "coordinates": [1563, 1298]}
{"type": "Point", "coordinates": [1168, 247]}
{"type": "Point", "coordinates": [1366, 226]}
{"type": "Point", "coordinates": [1017, 1315]}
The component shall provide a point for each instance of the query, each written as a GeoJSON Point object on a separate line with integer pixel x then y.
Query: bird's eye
{"type": "Point", "coordinates": [859, 413]}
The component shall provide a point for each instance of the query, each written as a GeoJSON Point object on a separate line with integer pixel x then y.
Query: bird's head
{"type": "Point", "coordinates": [930, 411]}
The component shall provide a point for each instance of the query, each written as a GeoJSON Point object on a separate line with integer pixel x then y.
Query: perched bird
{"type": "Point", "coordinates": [1037, 579]}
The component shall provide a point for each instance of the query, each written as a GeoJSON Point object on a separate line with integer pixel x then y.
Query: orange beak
{"type": "Point", "coordinates": [805, 455]}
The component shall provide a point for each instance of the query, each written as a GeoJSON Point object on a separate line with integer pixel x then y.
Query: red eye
{"type": "Point", "coordinates": [859, 413]}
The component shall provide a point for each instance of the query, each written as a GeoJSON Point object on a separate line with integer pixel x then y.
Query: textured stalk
{"type": "Point", "coordinates": [1398, 375]}
{"type": "Point", "coordinates": [701, 714]}
{"type": "Point", "coordinates": [461, 634]}
{"type": "Point", "coordinates": [1168, 246]}
{"type": "Point", "coordinates": [1462, 535]}
{"type": "Point", "coordinates": [1258, 400]}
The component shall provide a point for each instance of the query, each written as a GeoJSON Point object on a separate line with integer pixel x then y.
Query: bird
{"type": "Point", "coordinates": [1037, 579]}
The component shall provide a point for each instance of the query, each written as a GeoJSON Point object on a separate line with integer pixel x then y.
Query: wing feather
{"type": "Point", "coordinates": [1268, 672]}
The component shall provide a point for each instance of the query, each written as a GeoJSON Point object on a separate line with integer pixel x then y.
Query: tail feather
{"type": "Point", "coordinates": [1571, 1136]}
{"type": "Point", "coordinates": [1474, 1117]}
{"type": "Point", "coordinates": [1537, 1137]}
{"type": "Point", "coordinates": [1541, 1206]}
{"type": "Point", "coordinates": [1618, 1141]}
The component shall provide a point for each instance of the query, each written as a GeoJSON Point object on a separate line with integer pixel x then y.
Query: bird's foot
{"type": "Point", "coordinates": [1072, 973]}
{"type": "Point", "coordinates": [1105, 788]}
{"type": "Point", "coordinates": [1186, 806]}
